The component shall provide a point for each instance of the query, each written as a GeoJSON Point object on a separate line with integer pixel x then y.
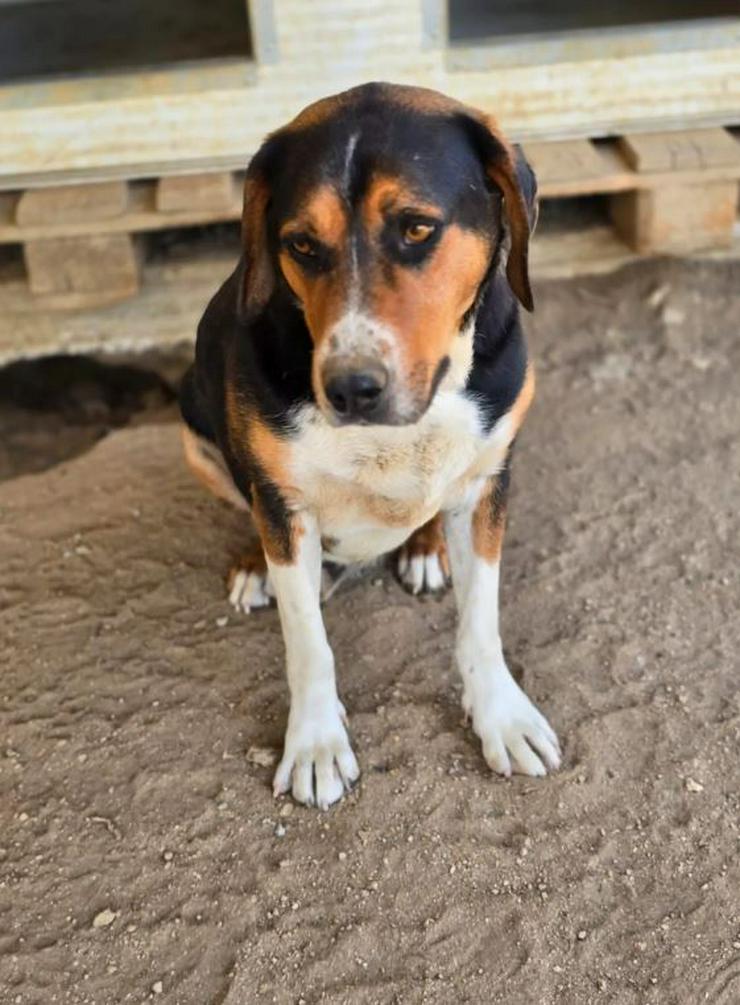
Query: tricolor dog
{"type": "Point", "coordinates": [359, 382]}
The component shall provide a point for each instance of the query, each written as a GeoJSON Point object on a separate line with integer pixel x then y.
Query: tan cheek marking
{"type": "Point", "coordinates": [322, 297]}
{"type": "Point", "coordinates": [489, 523]}
{"type": "Point", "coordinates": [426, 306]}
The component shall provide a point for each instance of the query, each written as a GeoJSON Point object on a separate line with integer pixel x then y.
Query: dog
{"type": "Point", "coordinates": [358, 385]}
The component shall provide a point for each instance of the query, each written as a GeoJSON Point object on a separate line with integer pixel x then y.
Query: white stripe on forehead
{"type": "Point", "coordinates": [354, 294]}
{"type": "Point", "coordinates": [348, 156]}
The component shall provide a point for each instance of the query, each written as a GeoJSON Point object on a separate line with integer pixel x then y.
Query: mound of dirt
{"type": "Point", "coordinates": [142, 857]}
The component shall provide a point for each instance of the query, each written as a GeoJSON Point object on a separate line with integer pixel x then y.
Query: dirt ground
{"type": "Point", "coordinates": [142, 855]}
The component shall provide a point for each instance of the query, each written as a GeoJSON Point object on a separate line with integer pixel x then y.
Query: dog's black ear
{"type": "Point", "coordinates": [256, 269]}
{"type": "Point", "coordinates": [507, 169]}
{"type": "Point", "coordinates": [528, 186]}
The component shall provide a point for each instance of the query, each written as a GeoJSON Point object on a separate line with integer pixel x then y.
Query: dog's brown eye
{"type": "Point", "coordinates": [418, 233]}
{"type": "Point", "coordinates": [302, 246]}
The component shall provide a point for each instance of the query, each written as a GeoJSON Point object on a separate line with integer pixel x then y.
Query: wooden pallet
{"type": "Point", "coordinates": [669, 193]}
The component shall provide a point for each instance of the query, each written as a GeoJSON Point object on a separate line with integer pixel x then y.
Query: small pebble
{"type": "Point", "coordinates": [673, 316]}
{"type": "Point", "coordinates": [280, 831]}
{"type": "Point", "coordinates": [581, 935]}
{"type": "Point", "coordinates": [167, 856]}
{"type": "Point", "coordinates": [222, 622]}
{"type": "Point", "coordinates": [286, 809]}
{"type": "Point", "coordinates": [342, 856]}
{"type": "Point", "coordinates": [658, 295]}
{"type": "Point", "coordinates": [693, 786]}
{"type": "Point", "coordinates": [104, 918]}
{"type": "Point", "coordinates": [157, 988]}
{"type": "Point", "coordinates": [265, 757]}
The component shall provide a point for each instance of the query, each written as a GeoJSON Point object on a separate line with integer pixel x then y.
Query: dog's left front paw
{"type": "Point", "coordinates": [516, 736]}
{"type": "Point", "coordinates": [318, 765]}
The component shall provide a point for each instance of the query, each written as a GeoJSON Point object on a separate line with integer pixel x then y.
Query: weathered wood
{"type": "Point", "coordinates": [196, 192]}
{"type": "Point", "coordinates": [677, 219]}
{"type": "Point", "coordinates": [74, 273]}
{"type": "Point", "coordinates": [141, 214]}
{"type": "Point", "coordinates": [689, 150]}
{"type": "Point", "coordinates": [572, 162]}
{"type": "Point", "coordinates": [71, 204]}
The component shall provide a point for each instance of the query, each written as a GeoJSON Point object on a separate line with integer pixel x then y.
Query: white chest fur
{"type": "Point", "coordinates": [371, 486]}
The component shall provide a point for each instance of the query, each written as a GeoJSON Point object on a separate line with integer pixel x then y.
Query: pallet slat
{"type": "Point", "coordinates": [569, 166]}
{"type": "Point", "coordinates": [677, 219]}
{"type": "Point", "coordinates": [71, 204]}
{"type": "Point", "coordinates": [141, 215]}
{"type": "Point", "coordinates": [690, 150]}
{"type": "Point", "coordinates": [76, 273]}
{"type": "Point", "coordinates": [181, 193]}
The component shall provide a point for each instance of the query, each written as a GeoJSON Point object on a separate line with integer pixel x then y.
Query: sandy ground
{"type": "Point", "coordinates": [142, 856]}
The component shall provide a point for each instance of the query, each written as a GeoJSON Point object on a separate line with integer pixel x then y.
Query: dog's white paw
{"type": "Point", "coordinates": [516, 736]}
{"type": "Point", "coordinates": [421, 573]}
{"type": "Point", "coordinates": [249, 590]}
{"type": "Point", "coordinates": [318, 764]}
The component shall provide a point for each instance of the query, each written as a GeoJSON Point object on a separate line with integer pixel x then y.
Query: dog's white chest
{"type": "Point", "coordinates": [371, 486]}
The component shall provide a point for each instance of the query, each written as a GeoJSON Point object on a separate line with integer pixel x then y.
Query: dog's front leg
{"type": "Point", "coordinates": [515, 735]}
{"type": "Point", "coordinates": [318, 763]}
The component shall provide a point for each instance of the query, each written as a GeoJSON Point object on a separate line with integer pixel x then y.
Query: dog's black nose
{"type": "Point", "coordinates": [357, 393]}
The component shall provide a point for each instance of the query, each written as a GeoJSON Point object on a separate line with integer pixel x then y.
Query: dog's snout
{"type": "Point", "coordinates": [356, 392]}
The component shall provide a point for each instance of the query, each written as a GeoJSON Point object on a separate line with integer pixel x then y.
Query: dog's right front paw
{"type": "Point", "coordinates": [318, 765]}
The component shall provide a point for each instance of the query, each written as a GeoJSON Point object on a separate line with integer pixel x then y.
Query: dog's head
{"type": "Point", "coordinates": [383, 210]}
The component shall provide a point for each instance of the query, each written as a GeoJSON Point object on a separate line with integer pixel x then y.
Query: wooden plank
{"type": "Point", "coordinates": [166, 312]}
{"type": "Point", "coordinates": [689, 150]}
{"type": "Point", "coordinates": [569, 166]}
{"type": "Point", "coordinates": [141, 215]}
{"type": "Point", "coordinates": [75, 273]}
{"type": "Point", "coordinates": [677, 219]}
{"type": "Point", "coordinates": [196, 192]}
{"type": "Point", "coordinates": [71, 203]}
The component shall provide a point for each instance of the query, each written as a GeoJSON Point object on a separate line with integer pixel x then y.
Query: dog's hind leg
{"type": "Point", "coordinates": [422, 562]}
{"type": "Point", "coordinates": [248, 582]}
{"type": "Point", "coordinates": [207, 464]}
